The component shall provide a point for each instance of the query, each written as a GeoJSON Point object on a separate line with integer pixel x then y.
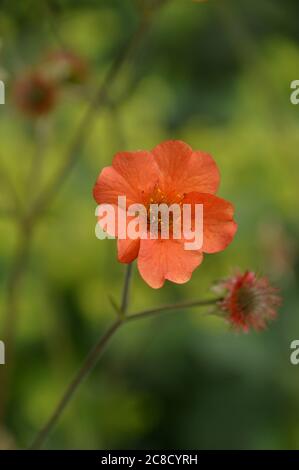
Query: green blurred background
{"type": "Point", "coordinates": [217, 75]}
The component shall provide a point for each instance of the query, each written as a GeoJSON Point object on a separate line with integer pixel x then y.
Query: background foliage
{"type": "Point", "coordinates": [216, 75]}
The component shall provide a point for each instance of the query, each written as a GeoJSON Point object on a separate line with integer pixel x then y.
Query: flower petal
{"type": "Point", "coordinates": [219, 227]}
{"type": "Point", "coordinates": [127, 250]}
{"type": "Point", "coordinates": [132, 174]}
{"type": "Point", "coordinates": [166, 259]}
{"type": "Point", "coordinates": [185, 170]}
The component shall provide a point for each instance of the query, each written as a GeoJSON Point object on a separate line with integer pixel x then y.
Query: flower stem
{"type": "Point", "coordinates": [126, 290]}
{"type": "Point", "coordinates": [89, 363]}
{"type": "Point", "coordinates": [172, 307]}
{"type": "Point", "coordinates": [96, 352]}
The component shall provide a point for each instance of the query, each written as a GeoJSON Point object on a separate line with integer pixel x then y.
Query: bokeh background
{"type": "Point", "coordinates": [216, 74]}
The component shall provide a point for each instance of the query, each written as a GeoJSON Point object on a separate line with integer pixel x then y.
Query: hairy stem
{"type": "Point", "coordinates": [96, 353]}
{"type": "Point", "coordinates": [172, 307]}
{"type": "Point", "coordinates": [36, 166]}
{"type": "Point", "coordinates": [89, 363]}
{"type": "Point", "coordinates": [126, 289]}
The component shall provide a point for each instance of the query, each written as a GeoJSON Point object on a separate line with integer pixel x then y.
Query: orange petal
{"type": "Point", "coordinates": [166, 259]}
{"type": "Point", "coordinates": [132, 174]}
{"type": "Point", "coordinates": [185, 170]}
{"type": "Point", "coordinates": [219, 227]}
{"type": "Point", "coordinates": [127, 250]}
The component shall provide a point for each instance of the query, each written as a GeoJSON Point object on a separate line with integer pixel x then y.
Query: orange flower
{"type": "Point", "coordinates": [34, 94]}
{"type": "Point", "coordinates": [249, 302]}
{"type": "Point", "coordinates": [171, 173]}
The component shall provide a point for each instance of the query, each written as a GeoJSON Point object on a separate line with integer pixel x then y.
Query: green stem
{"type": "Point", "coordinates": [126, 289]}
{"type": "Point", "coordinates": [95, 354]}
{"type": "Point", "coordinates": [89, 363]}
{"type": "Point", "coordinates": [172, 307]}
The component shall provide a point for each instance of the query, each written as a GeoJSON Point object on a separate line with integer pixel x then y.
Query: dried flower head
{"type": "Point", "coordinates": [249, 301]}
{"type": "Point", "coordinates": [34, 94]}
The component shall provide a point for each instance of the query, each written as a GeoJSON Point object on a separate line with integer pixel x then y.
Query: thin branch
{"type": "Point", "coordinates": [85, 126]}
{"type": "Point", "coordinates": [96, 353]}
{"type": "Point", "coordinates": [53, 20]}
{"type": "Point", "coordinates": [88, 365]}
{"type": "Point", "coordinates": [36, 166]}
{"type": "Point", "coordinates": [171, 308]}
{"type": "Point", "coordinates": [126, 289]}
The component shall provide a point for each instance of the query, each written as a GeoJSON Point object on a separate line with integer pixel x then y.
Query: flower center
{"type": "Point", "coordinates": [160, 219]}
{"type": "Point", "coordinates": [37, 94]}
{"type": "Point", "coordinates": [247, 301]}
